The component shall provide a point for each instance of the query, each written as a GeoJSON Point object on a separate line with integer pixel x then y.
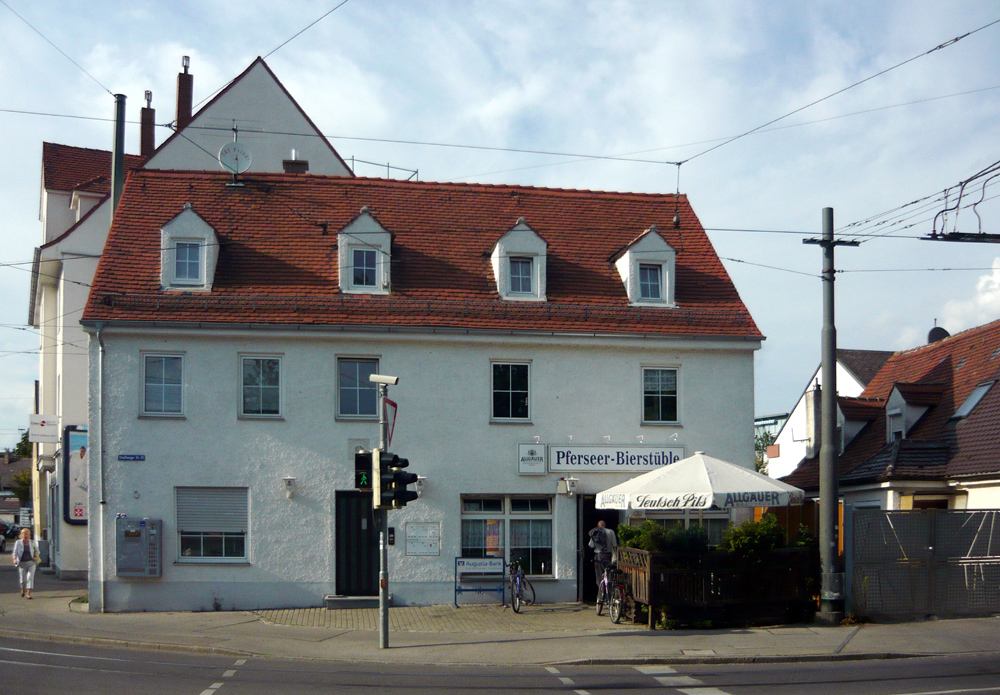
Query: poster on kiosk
{"type": "Point", "coordinates": [75, 475]}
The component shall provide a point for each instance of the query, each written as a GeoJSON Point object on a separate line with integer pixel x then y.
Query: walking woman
{"type": "Point", "coordinates": [26, 559]}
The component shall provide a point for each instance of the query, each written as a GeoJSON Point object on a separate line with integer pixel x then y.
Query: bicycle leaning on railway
{"type": "Point", "coordinates": [612, 592]}
{"type": "Point", "coordinates": [522, 593]}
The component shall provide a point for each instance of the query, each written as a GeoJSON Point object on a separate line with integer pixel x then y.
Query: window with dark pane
{"type": "Point", "coordinates": [659, 390]}
{"type": "Point", "coordinates": [510, 391]}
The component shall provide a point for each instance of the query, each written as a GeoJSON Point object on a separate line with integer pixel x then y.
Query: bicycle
{"type": "Point", "coordinates": [612, 591]}
{"type": "Point", "coordinates": [521, 590]}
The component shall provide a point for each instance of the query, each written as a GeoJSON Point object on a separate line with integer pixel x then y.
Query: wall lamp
{"type": "Point", "coordinates": [289, 486]}
{"type": "Point", "coordinates": [567, 486]}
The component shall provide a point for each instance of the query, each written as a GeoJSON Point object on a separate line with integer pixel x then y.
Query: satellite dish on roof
{"type": "Point", "coordinates": [235, 157]}
{"type": "Point", "coordinates": [937, 333]}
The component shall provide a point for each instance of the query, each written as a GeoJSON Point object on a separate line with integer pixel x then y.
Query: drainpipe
{"type": "Point", "coordinates": [100, 466]}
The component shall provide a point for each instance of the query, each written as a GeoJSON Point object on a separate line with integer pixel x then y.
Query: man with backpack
{"type": "Point", "coordinates": [605, 545]}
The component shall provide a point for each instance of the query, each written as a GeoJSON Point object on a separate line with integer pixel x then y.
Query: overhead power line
{"type": "Point", "coordinates": [61, 51]}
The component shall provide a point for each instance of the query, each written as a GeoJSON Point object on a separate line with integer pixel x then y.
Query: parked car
{"type": "Point", "coordinates": [8, 531]}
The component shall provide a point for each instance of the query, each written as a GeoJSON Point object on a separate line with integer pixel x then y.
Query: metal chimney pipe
{"type": "Point", "coordinates": [118, 154]}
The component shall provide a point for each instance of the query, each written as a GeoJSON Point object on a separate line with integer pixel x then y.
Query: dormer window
{"type": "Point", "coordinates": [187, 265]}
{"type": "Point", "coordinates": [520, 275]}
{"type": "Point", "coordinates": [650, 282]}
{"type": "Point", "coordinates": [646, 267]}
{"type": "Point", "coordinates": [364, 268]}
{"type": "Point", "coordinates": [364, 252]}
{"type": "Point", "coordinates": [519, 264]}
{"type": "Point", "coordinates": [189, 253]}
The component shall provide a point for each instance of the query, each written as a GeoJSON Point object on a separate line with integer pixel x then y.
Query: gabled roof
{"type": "Point", "coordinates": [863, 364]}
{"type": "Point", "coordinates": [67, 168]}
{"type": "Point", "coordinates": [199, 121]}
{"type": "Point", "coordinates": [938, 376]}
{"type": "Point", "coordinates": [278, 261]}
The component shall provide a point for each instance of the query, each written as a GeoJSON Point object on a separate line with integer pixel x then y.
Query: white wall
{"type": "Point", "coordinates": [579, 387]}
{"type": "Point", "coordinates": [264, 115]}
{"type": "Point", "coordinates": [793, 440]}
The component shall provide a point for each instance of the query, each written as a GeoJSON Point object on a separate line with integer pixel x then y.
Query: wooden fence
{"type": "Point", "coordinates": [780, 587]}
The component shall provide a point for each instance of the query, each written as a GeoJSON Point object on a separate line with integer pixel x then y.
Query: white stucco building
{"type": "Point", "coordinates": [538, 335]}
{"type": "Point", "coordinates": [75, 212]}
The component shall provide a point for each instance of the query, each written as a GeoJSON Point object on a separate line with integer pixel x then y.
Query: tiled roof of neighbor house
{"type": "Point", "coordinates": [278, 257]}
{"type": "Point", "coordinates": [860, 409]}
{"type": "Point", "coordinates": [67, 168]}
{"type": "Point", "coordinates": [863, 364]}
{"type": "Point", "coordinates": [939, 376]}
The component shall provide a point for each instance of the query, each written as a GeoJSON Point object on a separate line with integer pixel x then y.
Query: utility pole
{"type": "Point", "coordinates": [832, 588]}
{"type": "Point", "coordinates": [383, 525]}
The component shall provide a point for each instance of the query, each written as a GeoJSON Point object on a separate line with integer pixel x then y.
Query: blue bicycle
{"type": "Point", "coordinates": [522, 593]}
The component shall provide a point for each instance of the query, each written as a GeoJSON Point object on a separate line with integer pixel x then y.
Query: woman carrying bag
{"type": "Point", "coordinates": [26, 559]}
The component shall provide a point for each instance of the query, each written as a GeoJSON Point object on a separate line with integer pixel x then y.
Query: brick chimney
{"type": "Point", "coordinates": [185, 94]}
{"type": "Point", "coordinates": [147, 124]}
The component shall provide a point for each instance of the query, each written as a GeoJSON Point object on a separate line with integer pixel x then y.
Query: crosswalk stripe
{"type": "Point", "coordinates": [653, 670]}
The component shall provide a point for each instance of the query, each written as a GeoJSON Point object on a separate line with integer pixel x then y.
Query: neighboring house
{"type": "Point", "coordinates": [925, 431]}
{"type": "Point", "coordinates": [539, 335]}
{"type": "Point", "coordinates": [798, 437]}
{"type": "Point", "coordinates": [75, 212]}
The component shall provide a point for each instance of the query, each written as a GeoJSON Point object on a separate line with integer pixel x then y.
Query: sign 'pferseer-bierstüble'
{"type": "Point", "coordinates": [611, 459]}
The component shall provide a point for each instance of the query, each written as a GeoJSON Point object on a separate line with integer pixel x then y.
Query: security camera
{"type": "Point", "coordinates": [383, 379]}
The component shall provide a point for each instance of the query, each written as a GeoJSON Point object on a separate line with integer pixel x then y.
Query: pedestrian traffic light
{"type": "Point", "coordinates": [363, 470]}
{"type": "Point", "coordinates": [391, 480]}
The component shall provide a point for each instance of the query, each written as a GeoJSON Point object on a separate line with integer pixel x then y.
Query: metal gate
{"type": "Point", "coordinates": [939, 562]}
{"type": "Point", "coordinates": [357, 545]}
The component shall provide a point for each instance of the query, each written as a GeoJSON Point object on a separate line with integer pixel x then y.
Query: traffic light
{"type": "Point", "coordinates": [391, 481]}
{"type": "Point", "coordinates": [363, 470]}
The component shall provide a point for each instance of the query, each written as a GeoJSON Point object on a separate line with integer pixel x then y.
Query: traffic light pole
{"type": "Point", "coordinates": [383, 532]}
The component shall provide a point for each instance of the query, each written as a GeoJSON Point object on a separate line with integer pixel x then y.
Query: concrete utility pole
{"type": "Point", "coordinates": [383, 529]}
{"type": "Point", "coordinates": [832, 589]}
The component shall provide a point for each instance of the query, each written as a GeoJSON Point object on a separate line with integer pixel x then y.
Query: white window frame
{"type": "Point", "coordinates": [242, 390]}
{"type": "Point", "coordinates": [507, 420]}
{"type": "Point", "coordinates": [341, 415]}
{"type": "Point", "coordinates": [143, 356]}
{"type": "Point", "coordinates": [505, 516]}
{"type": "Point", "coordinates": [212, 513]}
{"type": "Point", "coordinates": [376, 275]}
{"type": "Point", "coordinates": [658, 267]}
{"type": "Point", "coordinates": [199, 246]}
{"type": "Point", "coordinates": [677, 394]}
{"type": "Point", "coordinates": [530, 279]}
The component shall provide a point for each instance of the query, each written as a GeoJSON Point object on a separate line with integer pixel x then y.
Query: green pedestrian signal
{"type": "Point", "coordinates": [363, 470]}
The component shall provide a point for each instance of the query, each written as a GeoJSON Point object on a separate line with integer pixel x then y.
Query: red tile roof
{"type": "Point", "coordinates": [278, 261]}
{"type": "Point", "coordinates": [66, 168]}
{"type": "Point", "coordinates": [940, 376]}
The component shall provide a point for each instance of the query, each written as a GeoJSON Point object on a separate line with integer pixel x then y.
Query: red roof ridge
{"type": "Point", "coordinates": [986, 327]}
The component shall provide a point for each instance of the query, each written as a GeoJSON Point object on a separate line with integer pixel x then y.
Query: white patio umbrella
{"type": "Point", "coordinates": [698, 482]}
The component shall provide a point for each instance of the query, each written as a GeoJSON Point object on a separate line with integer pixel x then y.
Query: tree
{"type": "Point", "coordinates": [23, 448]}
{"type": "Point", "coordinates": [21, 486]}
{"type": "Point", "coordinates": [760, 444]}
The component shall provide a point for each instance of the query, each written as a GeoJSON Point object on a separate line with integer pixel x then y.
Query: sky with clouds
{"type": "Point", "coordinates": [431, 86]}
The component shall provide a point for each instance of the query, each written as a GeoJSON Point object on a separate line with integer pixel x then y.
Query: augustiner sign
{"type": "Point", "coordinates": [537, 459]}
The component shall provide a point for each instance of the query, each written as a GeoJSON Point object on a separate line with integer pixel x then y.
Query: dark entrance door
{"type": "Point", "coordinates": [587, 517]}
{"type": "Point", "coordinates": [357, 545]}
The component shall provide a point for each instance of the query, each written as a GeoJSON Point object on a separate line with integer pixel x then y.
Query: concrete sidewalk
{"type": "Point", "coordinates": [473, 634]}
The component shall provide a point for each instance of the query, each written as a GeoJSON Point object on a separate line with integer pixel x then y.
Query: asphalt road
{"type": "Point", "coordinates": [47, 667]}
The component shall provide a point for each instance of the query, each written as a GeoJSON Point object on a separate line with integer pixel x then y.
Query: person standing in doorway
{"type": "Point", "coordinates": [605, 545]}
{"type": "Point", "coordinates": [26, 559]}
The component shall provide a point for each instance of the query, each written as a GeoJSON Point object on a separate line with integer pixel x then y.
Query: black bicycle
{"type": "Point", "coordinates": [522, 593]}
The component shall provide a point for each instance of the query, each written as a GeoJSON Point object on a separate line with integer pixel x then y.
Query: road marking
{"type": "Point", "coordinates": [240, 662]}
{"type": "Point", "coordinates": [216, 686]}
{"type": "Point", "coordinates": [653, 670]}
{"type": "Point", "coordinates": [953, 692]}
{"type": "Point", "coordinates": [702, 691]}
{"type": "Point", "coordinates": [566, 681]}
{"type": "Point", "coordinates": [676, 681]}
{"type": "Point", "coordinates": [552, 669]}
{"type": "Point", "coordinates": [581, 692]}
{"type": "Point", "coordinates": [229, 674]}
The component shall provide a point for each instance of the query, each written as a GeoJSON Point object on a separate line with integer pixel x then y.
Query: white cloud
{"type": "Point", "coordinates": [981, 308]}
